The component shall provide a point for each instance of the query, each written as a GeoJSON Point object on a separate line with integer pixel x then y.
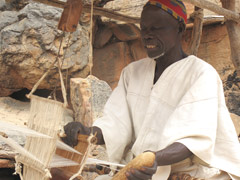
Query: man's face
{"type": "Point", "coordinates": [159, 30]}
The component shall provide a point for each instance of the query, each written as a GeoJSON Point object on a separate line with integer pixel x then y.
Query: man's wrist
{"type": "Point", "coordinates": [96, 131]}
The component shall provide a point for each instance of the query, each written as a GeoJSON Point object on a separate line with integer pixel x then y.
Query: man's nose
{"type": "Point", "coordinates": [147, 34]}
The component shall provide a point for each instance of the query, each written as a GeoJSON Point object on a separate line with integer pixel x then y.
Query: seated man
{"type": "Point", "coordinates": [169, 103]}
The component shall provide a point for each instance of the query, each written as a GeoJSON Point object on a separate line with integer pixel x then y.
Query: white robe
{"type": "Point", "coordinates": [185, 105]}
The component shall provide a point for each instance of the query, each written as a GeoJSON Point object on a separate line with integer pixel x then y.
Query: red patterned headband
{"type": "Point", "coordinates": [174, 7]}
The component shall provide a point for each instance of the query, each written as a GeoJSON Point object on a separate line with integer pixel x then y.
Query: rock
{"type": "Point", "coordinates": [14, 111]}
{"type": "Point", "coordinates": [233, 102]}
{"type": "Point", "coordinates": [127, 7]}
{"type": "Point", "coordinates": [88, 98]}
{"type": "Point", "coordinates": [7, 18]}
{"type": "Point", "coordinates": [236, 122]}
{"type": "Point", "coordinates": [2, 5]}
{"type": "Point", "coordinates": [29, 44]}
{"type": "Point", "coordinates": [109, 61]}
{"type": "Point", "coordinates": [137, 49]}
{"type": "Point", "coordinates": [126, 32]}
{"type": "Point", "coordinates": [102, 37]}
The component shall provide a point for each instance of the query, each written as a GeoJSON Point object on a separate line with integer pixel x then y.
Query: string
{"type": "Point", "coordinates": [64, 93]}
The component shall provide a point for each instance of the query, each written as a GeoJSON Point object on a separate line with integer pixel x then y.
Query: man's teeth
{"type": "Point", "coordinates": [151, 46]}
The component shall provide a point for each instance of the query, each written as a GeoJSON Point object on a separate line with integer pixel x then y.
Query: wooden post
{"type": "Point", "coordinates": [197, 30]}
{"type": "Point", "coordinates": [204, 4]}
{"type": "Point", "coordinates": [233, 29]}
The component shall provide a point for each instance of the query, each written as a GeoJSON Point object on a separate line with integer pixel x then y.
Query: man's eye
{"type": "Point", "coordinates": [156, 28]}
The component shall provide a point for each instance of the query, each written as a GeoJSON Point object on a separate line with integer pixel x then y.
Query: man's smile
{"type": "Point", "coordinates": [150, 46]}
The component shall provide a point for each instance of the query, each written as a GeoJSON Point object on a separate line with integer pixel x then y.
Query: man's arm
{"type": "Point", "coordinates": [174, 153]}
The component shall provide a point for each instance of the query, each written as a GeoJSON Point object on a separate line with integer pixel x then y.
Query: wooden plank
{"type": "Point", "coordinates": [81, 147]}
{"type": "Point", "coordinates": [70, 16]}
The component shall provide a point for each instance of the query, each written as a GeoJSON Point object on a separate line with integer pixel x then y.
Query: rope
{"type": "Point", "coordinates": [64, 93]}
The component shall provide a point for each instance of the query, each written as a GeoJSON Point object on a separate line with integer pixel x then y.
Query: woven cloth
{"type": "Point", "coordinates": [176, 8]}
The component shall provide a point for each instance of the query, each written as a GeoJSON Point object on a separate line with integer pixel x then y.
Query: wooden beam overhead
{"type": "Point", "coordinates": [204, 4]}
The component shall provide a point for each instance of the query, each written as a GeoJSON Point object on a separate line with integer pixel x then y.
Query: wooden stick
{"type": "Point", "coordinates": [197, 30]}
{"type": "Point", "coordinates": [204, 4]}
{"type": "Point", "coordinates": [40, 80]}
{"type": "Point", "coordinates": [111, 14]}
{"type": "Point", "coordinates": [234, 34]}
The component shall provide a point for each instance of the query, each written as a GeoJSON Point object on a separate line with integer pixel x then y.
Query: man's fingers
{"type": "Point", "coordinates": [74, 136]}
{"type": "Point", "coordinates": [147, 170]}
{"type": "Point", "coordinates": [71, 130]}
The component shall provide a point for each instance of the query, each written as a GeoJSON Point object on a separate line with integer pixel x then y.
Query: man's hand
{"type": "Point", "coordinates": [145, 173]}
{"type": "Point", "coordinates": [72, 130]}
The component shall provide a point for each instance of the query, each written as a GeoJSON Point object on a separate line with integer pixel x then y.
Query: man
{"type": "Point", "coordinates": [171, 104]}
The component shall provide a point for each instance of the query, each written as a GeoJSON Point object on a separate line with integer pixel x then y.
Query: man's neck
{"type": "Point", "coordinates": [164, 61]}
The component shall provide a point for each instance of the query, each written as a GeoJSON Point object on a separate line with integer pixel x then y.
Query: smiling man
{"type": "Point", "coordinates": [169, 103]}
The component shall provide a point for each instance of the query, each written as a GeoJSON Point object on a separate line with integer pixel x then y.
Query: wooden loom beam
{"type": "Point", "coordinates": [227, 13]}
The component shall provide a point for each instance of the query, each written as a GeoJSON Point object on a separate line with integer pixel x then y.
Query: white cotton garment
{"type": "Point", "coordinates": [185, 105]}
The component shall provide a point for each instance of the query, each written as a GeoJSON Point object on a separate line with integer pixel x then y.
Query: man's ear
{"type": "Point", "coordinates": [182, 27]}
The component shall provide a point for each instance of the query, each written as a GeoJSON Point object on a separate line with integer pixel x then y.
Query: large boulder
{"type": "Point", "coordinates": [29, 44]}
